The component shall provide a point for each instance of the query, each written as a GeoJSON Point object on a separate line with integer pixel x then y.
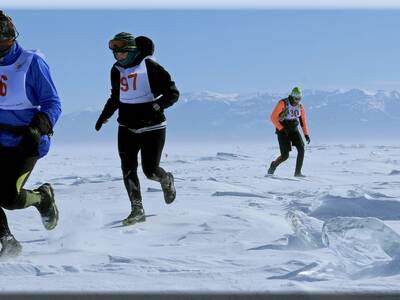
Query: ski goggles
{"type": "Point", "coordinates": [119, 45]}
{"type": "Point", "coordinates": [297, 99]}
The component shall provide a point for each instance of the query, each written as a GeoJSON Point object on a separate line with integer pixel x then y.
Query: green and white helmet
{"type": "Point", "coordinates": [296, 93]}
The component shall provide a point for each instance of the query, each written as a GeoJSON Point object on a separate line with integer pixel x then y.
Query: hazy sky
{"type": "Point", "coordinates": [220, 50]}
{"type": "Point", "coordinates": [117, 4]}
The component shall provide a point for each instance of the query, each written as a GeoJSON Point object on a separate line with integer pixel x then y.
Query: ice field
{"type": "Point", "coordinates": [230, 228]}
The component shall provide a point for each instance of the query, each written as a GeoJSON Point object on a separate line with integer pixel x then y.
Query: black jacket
{"type": "Point", "coordinates": [141, 115]}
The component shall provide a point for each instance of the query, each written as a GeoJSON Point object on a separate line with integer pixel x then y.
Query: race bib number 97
{"type": "Point", "coordinates": [127, 82]}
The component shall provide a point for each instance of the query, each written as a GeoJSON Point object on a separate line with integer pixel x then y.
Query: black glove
{"type": "Point", "coordinates": [41, 122]}
{"type": "Point", "coordinates": [157, 105]}
{"type": "Point", "coordinates": [284, 131]}
{"type": "Point", "coordinates": [30, 141]}
{"type": "Point", "coordinates": [30, 138]}
{"type": "Point", "coordinates": [307, 138]}
{"type": "Point", "coordinates": [99, 123]}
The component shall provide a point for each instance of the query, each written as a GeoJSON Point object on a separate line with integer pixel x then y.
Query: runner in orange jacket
{"type": "Point", "coordinates": [287, 115]}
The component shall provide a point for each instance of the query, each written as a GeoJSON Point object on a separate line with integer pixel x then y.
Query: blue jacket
{"type": "Point", "coordinates": [40, 90]}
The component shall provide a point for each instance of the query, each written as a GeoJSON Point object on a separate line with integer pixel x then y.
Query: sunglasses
{"type": "Point", "coordinates": [296, 98]}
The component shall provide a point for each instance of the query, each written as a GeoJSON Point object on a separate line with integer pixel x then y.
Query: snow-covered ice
{"type": "Point", "coordinates": [231, 228]}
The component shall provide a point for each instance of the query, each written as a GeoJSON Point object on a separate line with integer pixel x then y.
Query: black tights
{"type": "Point", "coordinates": [285, 146]}
{"type": "Point", "coordinates": [14, 172]}
{"type": "Point", "coordinates": [150, 144]}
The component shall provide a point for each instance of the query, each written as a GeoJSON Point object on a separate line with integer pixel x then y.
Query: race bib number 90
{"type": "Point", "coordinates": [294, 113]}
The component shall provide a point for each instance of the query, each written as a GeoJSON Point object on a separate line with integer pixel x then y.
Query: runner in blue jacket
{"type": "Point", "coordinates": [29, 108]}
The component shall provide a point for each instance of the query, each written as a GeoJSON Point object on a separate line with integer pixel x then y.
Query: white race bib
{"type": "Point", "coordinates": [293, 112]}
{"type": "Point", "coordinates": [134, 84]}
{"type": "Point", "coordinates": [12, 83]}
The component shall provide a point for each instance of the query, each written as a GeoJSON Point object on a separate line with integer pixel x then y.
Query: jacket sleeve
{"type": "Point", "coordinates": [40, 86]}
{"type": "Point", "coordinates": [113, 102]}
{"type": "Point", "coordinates": [280, 106]}
{"type": "Point", "coordinates": [161, 84]}
{"type": "Point", "coordinates": [303, 120]}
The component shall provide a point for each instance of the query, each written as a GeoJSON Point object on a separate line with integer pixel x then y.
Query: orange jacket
{"type": "Point", "coordinates": [280, 108]}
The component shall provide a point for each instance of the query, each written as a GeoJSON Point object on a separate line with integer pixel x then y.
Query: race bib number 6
{"type": "Point", "coordinates": [3, 85]}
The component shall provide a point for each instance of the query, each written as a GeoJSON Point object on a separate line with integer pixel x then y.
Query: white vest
{"type": "Point", "coordinates": [12, 83]}
{"type": "Point", "coordinates": [134, 86]}
{"type": "Point", "coordinates": [293, 112]}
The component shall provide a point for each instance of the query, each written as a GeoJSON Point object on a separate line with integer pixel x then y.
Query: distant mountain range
{"type": "Point", "coordinates": [350, 115]}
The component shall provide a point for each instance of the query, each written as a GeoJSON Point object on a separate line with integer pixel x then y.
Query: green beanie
{"type": "Point", "coordinates": [296, 93]}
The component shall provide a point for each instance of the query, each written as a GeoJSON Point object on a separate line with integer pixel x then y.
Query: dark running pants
{"type": "Point", "coordinates": [150, 144]}
{"type": "Point", "coordinates": [14, 172]}
{"type": "Point", "coordinates": [285, 145]}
